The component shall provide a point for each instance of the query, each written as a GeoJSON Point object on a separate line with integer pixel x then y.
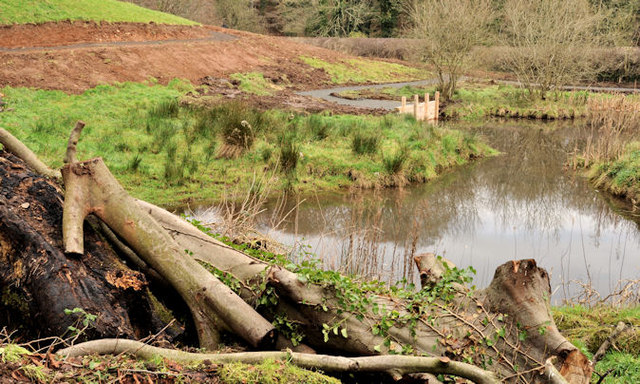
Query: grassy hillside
{"type": "Point", "coordinates": [40, 11]}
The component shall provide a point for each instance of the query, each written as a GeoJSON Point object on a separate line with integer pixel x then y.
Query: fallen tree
{"type": "Point", "coordinates": [506, 329]}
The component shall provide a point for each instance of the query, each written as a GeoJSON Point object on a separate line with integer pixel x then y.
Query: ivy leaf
{"type": "Point", "coordinates": [377, 348]}
{"type": "Point", "coordinates": [343, 331]}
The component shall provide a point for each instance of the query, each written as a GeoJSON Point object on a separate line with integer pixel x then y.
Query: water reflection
{"type": "Point", "coordinates": [522, 204]}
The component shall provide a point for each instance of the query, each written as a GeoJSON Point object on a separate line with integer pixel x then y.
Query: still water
{"type": "Point", "coordinates": [524, 203]}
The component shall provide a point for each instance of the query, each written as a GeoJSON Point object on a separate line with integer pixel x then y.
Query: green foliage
{"type": "Point", "coordinates": [12, 353]}
{"type": "Point", "coordinates": [620, 176]}
{"type": "Point", "coordinates": [271, 372]}
{"type": "Point", "coordinates": [165, 109]}
{"type": "Point", "coordinates": [318, 127]}
{"type": "Point", "coordinates": [40, 11]}
{"type": "Point", "coordinates": [624, 367]}
{"type": "Point", "coordinates": [83, 318]}
{"type": "Point", "coordinates": [340, 18]}
{"type": "Point", "coordinates": [475, 101]}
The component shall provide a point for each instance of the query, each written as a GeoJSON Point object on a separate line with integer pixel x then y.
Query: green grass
{"type": "Point", "coordinates": [476, 101]}
{"type": "Point", "coordinates": [621, 176]}
{"type": "Point", "coordinates": [364, 70]}
{"type": "Point", "coordinates": [589, 327]}
{"type": "Point", "coordinates": [40, 11]}
{"type": "Point", "coordinates": [255, 83]}
{"type": "Point", "coordinates": [169, 154]}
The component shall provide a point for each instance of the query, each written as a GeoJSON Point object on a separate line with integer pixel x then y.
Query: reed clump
{"type": "Point", "coordinates": [613, 123]}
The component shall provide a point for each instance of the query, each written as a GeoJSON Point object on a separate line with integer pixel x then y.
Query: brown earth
{"type": "Point", "coordinates": [76, 56]}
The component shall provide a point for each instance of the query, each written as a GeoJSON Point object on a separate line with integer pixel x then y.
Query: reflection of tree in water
{"type": "Point", "coordinates": [526, 188]}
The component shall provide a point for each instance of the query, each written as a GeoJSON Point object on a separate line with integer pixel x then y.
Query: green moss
{"type": "Point", "coordinates": [12, 353]}
{"type": "Point", "coordinates": [591, 326]}
{"type": "Point", "coordinates": [271, 372]}
{"type": "Point", "coordinates": [364, 70]}
{"type": "Point", "coordinates": [15, 301]}
{"type": "Point", "coordinates": [40, 11]}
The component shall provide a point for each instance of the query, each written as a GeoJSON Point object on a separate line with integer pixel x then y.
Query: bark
{"type": "Point", "coordinates": [520, 290]}
{"type": "Point", "coordinates": [91, 188]}
{"type": "Point", "coordinates": [38, 281]}
{"type": "Point", "coordinates": [15, 146]}
{"type": "Point", "coordinates": [396, 366]}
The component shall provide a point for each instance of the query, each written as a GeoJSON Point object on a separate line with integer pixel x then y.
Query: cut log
{"type": "Point", "coordinates": [512, 314]}
{"type": "Point", "coordinates": [91, 188]}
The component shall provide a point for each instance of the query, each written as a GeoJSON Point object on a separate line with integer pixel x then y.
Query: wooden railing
{"type": "Point", "coordinates": [429, 110]}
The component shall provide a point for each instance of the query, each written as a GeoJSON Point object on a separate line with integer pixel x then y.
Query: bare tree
{"type": "Point", "coordinates": [550, 40]}
{"type": "Point", "coordinates": [449, 30]}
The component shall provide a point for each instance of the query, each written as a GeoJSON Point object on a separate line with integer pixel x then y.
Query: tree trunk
{"type": "Point", "coordinates": [39, 281]}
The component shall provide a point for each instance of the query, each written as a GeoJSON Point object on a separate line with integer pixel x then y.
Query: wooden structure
{"type": "Point", "coordinates": [429, 110]}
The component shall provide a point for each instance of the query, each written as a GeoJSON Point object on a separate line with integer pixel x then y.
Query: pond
{"type": "Point", "coordinates": [522, 204]}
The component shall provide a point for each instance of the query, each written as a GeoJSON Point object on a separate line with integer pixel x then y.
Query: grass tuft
{"type": "Point", "coordinates": [363, 143]}
{"type": "Point", "coordinates": [394, 163]}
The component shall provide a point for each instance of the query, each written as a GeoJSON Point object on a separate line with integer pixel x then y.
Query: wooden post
{"type": "Point", "coordinates": [426, 107]}
{"type": "Point", "coordinates": [404, 104]}
{"type": "Point", "coordinates": [416, 101]}
{"type": "Point", "coordinates": [437, 99]}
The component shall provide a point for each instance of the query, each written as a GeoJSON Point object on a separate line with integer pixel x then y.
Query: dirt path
{"type": "Point", "coordinates": [327, 94]}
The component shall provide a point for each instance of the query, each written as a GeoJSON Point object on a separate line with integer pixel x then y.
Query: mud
{"type": "Point", "coordinates": [68, 58]}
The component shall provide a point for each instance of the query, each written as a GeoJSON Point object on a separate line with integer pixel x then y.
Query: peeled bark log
{"type": "Point", "coordinates": [91, 188]}
{"type": "Point", "coordinates": [396, 366]}
{"type": "Point", "coordinates": [39, 281]}
{"type": "Point", "coordinates": [16, 147]}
